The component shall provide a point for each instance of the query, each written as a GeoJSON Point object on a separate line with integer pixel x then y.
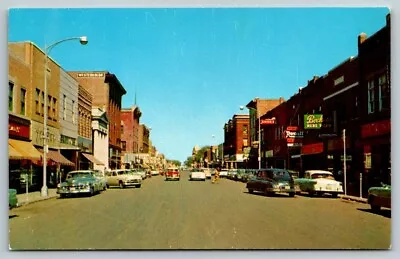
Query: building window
{"type": "Point", "coordinates": [10, 96]}
{"type": "Point", "coordinates": [384, 93]}
{"type": "Point", "coordinates": [42, 111]}
{"type": "Point", "coordinates": [123, 145]}
{"type": "Point", "coordinates": [73, 112]}
{"type": "Point", "coordinates": [371, 97]}
{"type": "Point", "coordinates": [23, 95]}
{"type": "Point", "coordinates": [55, 109]}
{"type": "Point", "coordinates": [245, 142]}
{"type": "Point", "coordinates": [48, 106]}
{"type": "Point", "coordinates": [245, 129]}
{"type": "Point", "coordinates": [122, 129]}
{"type": "Point", "coordinates": [64, 107]}
{"type": "Point", "coordinates": [37, 101]}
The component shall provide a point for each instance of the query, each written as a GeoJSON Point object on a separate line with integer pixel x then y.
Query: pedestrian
{"type": "Point", "coordinates": [216, 175]}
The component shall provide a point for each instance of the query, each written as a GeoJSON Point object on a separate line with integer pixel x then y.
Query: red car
{"type": "Point", "coordinates": [172, 174]}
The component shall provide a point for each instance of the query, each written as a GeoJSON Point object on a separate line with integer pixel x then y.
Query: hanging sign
{"type": "Point", "coordinates": [313, 121]}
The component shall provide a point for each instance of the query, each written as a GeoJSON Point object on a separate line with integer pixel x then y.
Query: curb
{"type": "Point", "coordinates": [23, 203]}
{"type": "Point", "coordinates": [357, 199]}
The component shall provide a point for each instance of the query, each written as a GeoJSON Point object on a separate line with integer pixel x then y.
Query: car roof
{"type": "Point", "coordinates": [318, 172]}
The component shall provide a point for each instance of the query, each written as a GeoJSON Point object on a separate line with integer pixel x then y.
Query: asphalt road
{"type": "Point", "coordinates": [197, 215]}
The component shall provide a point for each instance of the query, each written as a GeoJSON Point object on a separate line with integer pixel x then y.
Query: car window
{"type": "Point", "coordinates": [282, 175]}
{"type": "Point", "coordinates": [321, 175]}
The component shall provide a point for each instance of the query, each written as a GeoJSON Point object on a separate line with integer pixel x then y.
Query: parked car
{"type": "Point", "coordinates": [102, 178]}
{"type": "Point", "coordinates": [197, 174]}
{"type": "Point", "coordinates": [207, 171]}
{"type": "Point", "coordinates": [12, 198]}
{"type": "Point", "coordinates": [79, 182]}
{"type": "Point", "coordinates": [380, 197]}
{"type": "Point", "coordinates": [140, 172]}
{"type": "Point", "coordinates": [154, 172]}
{"type": "Point", "coordinates": [272, 180]}
{"type": "Point", "coordinates": [295, 175]}
{"type": "Point", "coordinates": [319, 182]}
{"type": "Point", "coordinates": [123, 178]}
{"type": "Point", "coordinates": [172, 173]}
{"type": "Point", "coordinates": [223, 173]}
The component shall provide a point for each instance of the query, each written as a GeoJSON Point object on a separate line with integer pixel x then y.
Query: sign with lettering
{"type": "Point", "coordinates": [18, 130]}
{"type": "Point", "coordinates": [313, 121]}
{"type": "Point", "coordinates": [294, 136]}
{"type": "Point", "coordinates": [339, 80]}
{"type": "Point", "coordinates": [270, 121]}
{"type": "Point", "coordinates": [91, 74]}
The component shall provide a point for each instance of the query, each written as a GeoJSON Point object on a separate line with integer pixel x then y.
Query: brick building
{"type": "Point", "coordinates": [258, 107]}
{"type": "Point", "coordinates": [144, 139]}
{"type": "Point", "coordinates": [85, 140]}
{"type": "Point", "coordinates": [236, 140]}
{"type": "Point", "coordinates": [130, 133]}
{"type": "Point", "coordinates": [107, 92]}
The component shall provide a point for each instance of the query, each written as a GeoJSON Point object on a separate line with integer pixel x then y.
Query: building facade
{"type": "Point", "coordinates": [85, 137]}
{"type": "Point", "coordinates": [107, 92]}
{"type": "Point", "coordinates": [144, 139]}
{"type": "Point", "coordinates": [236, 141]}
{"type": "Point", "coordinates": [100, 139]}
{"type": "Point", "coordinates": [130, 134]}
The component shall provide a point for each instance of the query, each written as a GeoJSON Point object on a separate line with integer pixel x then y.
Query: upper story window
{"type": "Point", "coordinates": [371, 97]}
{"type": "Point", "coordinates": [64, 107]}
{"type": "Point", "coordinates": [37, 101]}
{"type": "Point", "coordinates": [23, 96]}
{"type": "Point", "coordinates": [55, 109]}
{"type": "Point", "coordinates": [10, 96]}
{"type": "Point", "coordinates": [42, 101]}
{"type": "Point", "coordinates": [49, 106]}
{"type": "Point", "coordinates": [245, 129]}
{"type": "Point", "coordinates": [384, 93]}
{"type": "Point", "coordinates": [122, 129]}
{"type": "Point", "coordinates": [123, 145]}
{"type": "Point", "coordinates": [73, 112]}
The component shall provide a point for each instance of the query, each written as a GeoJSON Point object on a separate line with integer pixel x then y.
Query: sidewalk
{"type": "Point", "coordinates": [353, 198]}
{"type": "Point", "coordinates": [31, 197]}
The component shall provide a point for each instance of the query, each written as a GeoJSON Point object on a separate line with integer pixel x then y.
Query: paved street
{"type": "Point", "coordinates": [196, 215]}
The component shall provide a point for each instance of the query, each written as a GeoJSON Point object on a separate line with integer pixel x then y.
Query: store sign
{"type": "Point", "coordinates": [339, 80]}
{"type": "Point", "coordinates": [294, 136]}
{"type": "Point", "coordinates": [313, 121]}
{"type": "Point", "coordinates": [270, 121]}
{"type": "Point", "coordinates": [18, 130]}
{"type": "Point", "coordinates": [310, 149]}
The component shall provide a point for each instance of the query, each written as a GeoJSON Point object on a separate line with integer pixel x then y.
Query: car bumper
{"type": "Point", "coordinates": [73, 191]}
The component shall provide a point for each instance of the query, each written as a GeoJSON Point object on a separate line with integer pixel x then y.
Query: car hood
{"type": "Point", "coordinates": [76, 181]}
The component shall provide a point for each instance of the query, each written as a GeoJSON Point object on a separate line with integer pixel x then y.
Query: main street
{"type": "Point", "coordinates": [196, 215]}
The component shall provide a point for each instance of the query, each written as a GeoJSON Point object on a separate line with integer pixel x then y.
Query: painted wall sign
{"type": "Point", "coordinates": [313, 121]}
{"type": "Point", "coordinates": [18, 130]}
{"type": "Point", "coordinates": [310, 149]}
{"type": "Point", "coordinates": [90, 74]}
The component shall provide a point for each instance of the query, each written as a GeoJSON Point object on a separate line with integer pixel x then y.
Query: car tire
{"type": "Point", "coordinates": [250, 190]}
{"type": "Point", "coordinates": [62, 195]}
{"type": "Point", "coordinates": [375, 208]}
{"type": "Point", "coordinates": [292, 194]}
{"type": "Point", "coordinates": [107, 186]}
{"type": "Point", "coordinates": [311, 193]}
{"type": "Point", "coordinates": [121, 185]}
{"type": "Point", "coordinates": [138, 186]}
{"type": "Point", "coordinates": [266, 192]}
{"type": "Point", "coordinates": [91, 191]}
{"type": "Point", "coordinates": [334, 195]}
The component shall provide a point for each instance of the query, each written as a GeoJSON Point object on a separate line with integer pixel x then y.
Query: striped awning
{"type": "Point", "coordinates": [57, 158]}
{"type": "Point", "coordinates": [23, 150]}
{"type": "Point", "coordinates": [92, 159]}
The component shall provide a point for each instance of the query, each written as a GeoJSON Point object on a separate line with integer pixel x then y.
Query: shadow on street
{"type": "Point", "coordinates": [12, 216]}
{"type": "Point", "coordinates": [272, 195]}
{"type": "Point", "coordinates": [383, 212]}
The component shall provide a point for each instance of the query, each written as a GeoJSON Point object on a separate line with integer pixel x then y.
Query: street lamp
{"type": "Point", "coordinates": [83, 40]}
{"type": "Point", "coordinates": [259, 134]}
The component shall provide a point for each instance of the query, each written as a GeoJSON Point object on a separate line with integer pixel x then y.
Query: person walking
{"type": "Point", "coordinates": [216, 175]}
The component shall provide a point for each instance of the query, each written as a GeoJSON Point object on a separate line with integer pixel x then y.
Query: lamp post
{"type": "Point", "coordinates": [83, 40]}
{"type": "Point", "coordinates": [259, 134]}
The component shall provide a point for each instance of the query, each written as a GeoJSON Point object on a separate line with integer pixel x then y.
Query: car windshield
{"type": "Point", "coordinates": [197, 170]}
{"type": "Point", "coordinates": [322, 175]}
{"type": "Point", "coordinates": [79, 175]}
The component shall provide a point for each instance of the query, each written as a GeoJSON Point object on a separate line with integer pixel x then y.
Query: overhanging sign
{"type": "Point", "coordinates": [270, 121]}
{"type": "Point", "coordinates": [313, 121]}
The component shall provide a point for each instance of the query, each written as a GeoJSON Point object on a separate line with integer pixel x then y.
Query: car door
{"type": "Point", "coordinates": [258, 180]}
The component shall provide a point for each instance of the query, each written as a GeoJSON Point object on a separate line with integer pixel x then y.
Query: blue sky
{"type": "Point", "coordinates": [193, 68]}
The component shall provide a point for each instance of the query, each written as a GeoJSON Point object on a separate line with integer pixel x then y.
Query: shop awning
{"type": "Point", "coordinates": [25, 149]}
{"type": "Point", "coordinates": [56, 157]}
{"type": "Point", "coordinates": [92, 159]}
{"type": "Point", "coordinates": [13, 154]}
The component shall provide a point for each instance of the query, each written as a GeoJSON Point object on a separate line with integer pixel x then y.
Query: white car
{"type": "Point", "coordinates": [319, 182]}
{"type": "Point", "coordinates": [197, 174]}
{"type": "Point", "coordinates": [208, 173]}
{"type": "Point", "coordinates": [123, 178]}
{"type": "Point", "coordinates": [155, 172]}
{"type": "Point", "coordinates": [223, 173]}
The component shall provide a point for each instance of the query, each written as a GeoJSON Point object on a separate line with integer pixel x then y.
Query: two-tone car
{"type": "Point", "coordinates": [172, 173]}
{"type": "Point", "coordinates": [270, 181]}
{"type": "Point", "coordinates": [123, 178]}
{"type": "Point", "coordinates": [80, 182]}
{"type": "Point", "coordinates": [319, 182]}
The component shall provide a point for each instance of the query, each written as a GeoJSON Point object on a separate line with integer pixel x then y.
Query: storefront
{"type": "Point", "coordinates": [22, 155]}
{"type": "Point", "coordinates": [377, 153]}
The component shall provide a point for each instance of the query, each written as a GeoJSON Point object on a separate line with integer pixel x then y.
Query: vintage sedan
{"type": "Point", "coordinates": [197, 174]}
{"type": "Point", "coordinates": [80, 182]}
{"type": "Point", "coordinates": [380, 197]}
{"type": "Point", "coordinates": [319, 182]}
{"type": "Point", "coordinates": [172, 173]}
{"type": "Point", "coordinates": [123, 178]}
{"type": "Point", "coordinates": [270, 181]}
{"type": "Point", "coordinates": [102, 178]}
